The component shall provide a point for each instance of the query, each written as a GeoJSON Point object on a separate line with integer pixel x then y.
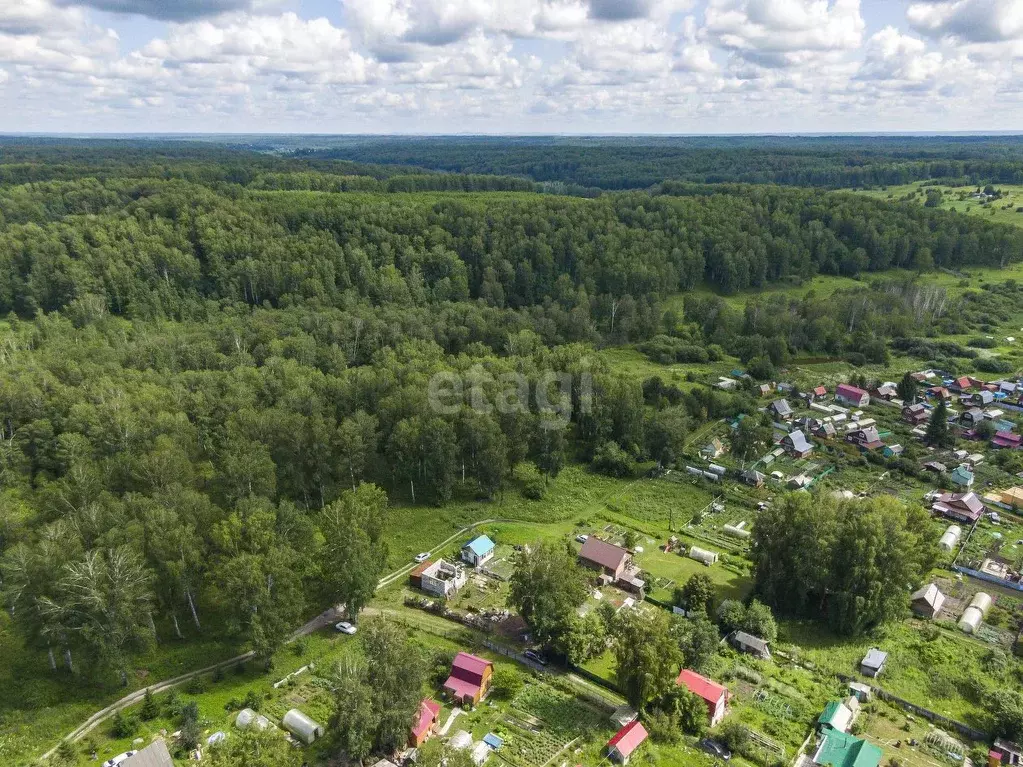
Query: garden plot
{"type": "Point", "coordinates": [911, 741]}
{"type": "Point", "coordinates": [713, 526]}
{"type": "Point", "coordinates": [542, 720]}
{"type": "Point", "coordinates": [1002, 543]}
{"type": "Point", "coordinates": [503, 563]}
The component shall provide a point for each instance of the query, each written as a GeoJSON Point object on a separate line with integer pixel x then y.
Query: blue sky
{"type": "Point", "coordinates": [511, 66]}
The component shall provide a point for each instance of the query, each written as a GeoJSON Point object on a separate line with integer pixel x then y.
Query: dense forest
{"type": "Point", "coordinates": [639, 162]}
{"type": "Point", "coordinates": [217, 366]}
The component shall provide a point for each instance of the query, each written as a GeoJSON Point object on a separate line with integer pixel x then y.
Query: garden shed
{"type": "Point", "coordinates": [873, 663]}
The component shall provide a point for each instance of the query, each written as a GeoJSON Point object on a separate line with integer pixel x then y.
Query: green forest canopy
{"type": "Point", "coordinates": [206, 352]}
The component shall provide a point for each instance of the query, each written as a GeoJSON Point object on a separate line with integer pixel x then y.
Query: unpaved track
{"type": "Point", "coordinates": [325, 618]}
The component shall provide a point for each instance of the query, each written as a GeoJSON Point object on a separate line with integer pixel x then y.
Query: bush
{"type": "Point", "coordinates": [533, 485]}
{"type": "Point", "coordinates": [172, 705]}
{"type": "Point", "coordinates": [982, 343]}
{"type": "Point", "coordinates": [992, 365]}
{"type": "Point", "coordinates": [197, 685]}
{"type": "Point", "coordinates": [761, 368]}
{"type": "Point", "coordinates": [661, 728]}
{"type": "Point", "coordinates": [252, 700]}
{"type": "Point", "coordinates": [124, 725]}
{"type": "Point", "coordinates": [611, 460]}
{"type": "Point", "coordinates": [507, 682]}
{"type": "Point", "coordinates": [734, 736]}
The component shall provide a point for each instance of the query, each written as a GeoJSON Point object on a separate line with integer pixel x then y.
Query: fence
{"type": "Point", "coordinates": [949, 724]}
{"type": "Point", "coordinates": [989, 578]}
{"type": "Point", "coordinates": [589, 676]}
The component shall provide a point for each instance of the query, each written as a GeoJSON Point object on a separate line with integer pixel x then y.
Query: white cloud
{"type": "Point", "coordinates": [37, 16]}
{"type": "Point", "coordinates": [898, 60]}
{"type": "Point", "coordinates": [246, 46]}
{"type": "Point", "coordinates": [776, 33]}
{"type": "Point", "coordinates": [969, 21]}
{"type": "Point", "coordinates": [506, 65]}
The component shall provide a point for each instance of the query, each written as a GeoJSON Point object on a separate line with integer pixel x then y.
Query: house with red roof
{"type": "Point", "coordinates": [962, 507]}
{"type": "Point", "coordinates": [852, 395]}
{"type": "Point", "coordinates": [962, 384]}
{"type": "Point", "coordinates": [470, 678]}
{"type": "Point", "coordinates": [712, 693]}
{"type": "Point", "coordinates": [1007, 440]}
{"type": "Point", "coordinates": [621, 747]}
{"type": "Point", "coordinates": [605, 557]}
{"type": "Point", "coordinates": [425, 724]}
{"type": "Point", "coordinates": [865, 439]}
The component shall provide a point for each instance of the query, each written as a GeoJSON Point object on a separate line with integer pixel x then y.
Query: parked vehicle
{"type": "Point", "coordinates": [346, 628]}
{"type": "Point", "coordinates": [116, 760]}
{"type": "Point", "coordinates": [714, 748]}
{"type": "Point", "coordinates": [422, 557]}
{"type": "Point", "coordinates": [582, 538]}
{"type": "Point", "coordinates": [534, 656]}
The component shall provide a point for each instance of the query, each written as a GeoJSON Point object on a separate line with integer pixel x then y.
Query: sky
{"type": "Point", "coordinates": [510, 66]}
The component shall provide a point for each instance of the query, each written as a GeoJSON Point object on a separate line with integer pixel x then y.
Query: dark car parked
{"type": "Point", "coordinates": [714, 748]}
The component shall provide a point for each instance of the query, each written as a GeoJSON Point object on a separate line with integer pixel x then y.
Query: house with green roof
{"type": "Point", "coordinates": [837, 716]}
{"type": "Point", "coordinates": [838, 749]}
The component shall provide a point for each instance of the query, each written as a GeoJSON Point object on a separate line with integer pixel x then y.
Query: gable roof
{"type": "Point", "coordinates": [628, 739]}
{"type": "Point", "coordinates": [480, 546]}
{"type": "Point", "coordinates": [153, 755]}
{"type": "Point", "coordinates": [1007, 439]}
{"type": "Point", "coordinates": [429, 710]}
{"type": "Point", "coordinates": [837, 749]}
{"type": "Point", "coordinates": [748, 640]}
{"type": "Point", "coordinates": [929, 594]}
{"type": "Point", "coordinates": [781, 407]}
{"type": "Point", "coordinates": [837, 715]}
{"type": "Point", "coordinates": [468, 666]}
{"type": "Point", "coordinates": [603, 553]}
{"type": "Point", "coordinates": [820, 391]}
{"type": "Point", "coordinates": [702, 686]}
{"type": "Point", "coordinates": [798, 441]}
{"type": "Point", "coordinates": [849, 392]}
{"type": "Point", "coordinates": [962, 475]}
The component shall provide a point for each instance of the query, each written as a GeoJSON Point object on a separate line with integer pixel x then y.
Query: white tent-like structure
{"type": "Point", "coordinates": [460, 741]}
{"type": "Point", "coordinates": [248, 718]}
{"type": "Point", "coordinates": [702, 555]}
{"type": "Point", "coordinates": [950, 538]}
{"type": "Point", "coordinates": [301, 726]}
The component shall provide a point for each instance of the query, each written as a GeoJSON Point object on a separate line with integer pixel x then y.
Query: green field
{"type": "Point", "coordinates": [1002, 210]}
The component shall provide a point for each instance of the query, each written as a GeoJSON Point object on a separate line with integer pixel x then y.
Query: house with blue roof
{"type": "Point", "coordinates": [478, 551]}
{"type": "Point", "coordinates": [962, 477]}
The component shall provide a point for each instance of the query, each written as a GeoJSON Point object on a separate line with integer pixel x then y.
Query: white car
{"type": "Point", "coordinates": [116, 760]}
{"type": "Point", "coordinates": [346, 628]}
{"type": "Point", "coordinates": [582, 538]}
{"type": "Point", "coordinates": [420, 558]}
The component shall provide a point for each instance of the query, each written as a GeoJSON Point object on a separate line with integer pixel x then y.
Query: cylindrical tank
{"type": "Point", "coordinates": [971, 620]}
{"type": "Point", "coordinates": [950, 538]}
{"type": "Point", "coordinates": [982, 602]}
{"type": "Point", "coordinates": [301, 726]}
{"type": "Point", "coordinates": [702, 555]}
{"type": "Point", "coordinates": [736, 532]}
